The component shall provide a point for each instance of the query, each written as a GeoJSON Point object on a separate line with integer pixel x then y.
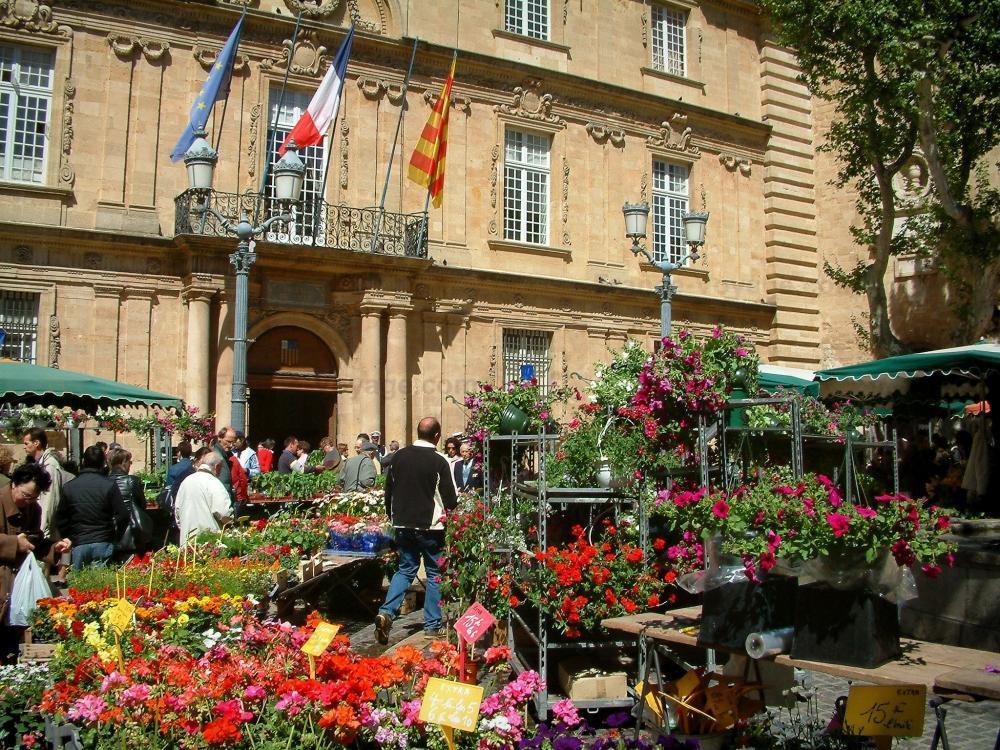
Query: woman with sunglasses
{"type": "Point", "coordinates": [20, 536]}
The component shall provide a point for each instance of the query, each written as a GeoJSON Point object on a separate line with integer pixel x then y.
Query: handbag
{"type": "Point", "coordinates": [139, 531]}
{"type": "Point", "coordinates": [30, 585]}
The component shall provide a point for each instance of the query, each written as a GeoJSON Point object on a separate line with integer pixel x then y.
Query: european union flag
{"type": "Point", "coordinates": [215, 88]}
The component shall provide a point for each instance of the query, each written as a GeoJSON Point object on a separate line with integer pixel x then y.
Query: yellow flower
{"type": "Point", "coordinates": [183, 619]}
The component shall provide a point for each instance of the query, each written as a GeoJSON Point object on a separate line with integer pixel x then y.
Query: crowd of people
{"type": "Point", "coordinates": [94, 513]}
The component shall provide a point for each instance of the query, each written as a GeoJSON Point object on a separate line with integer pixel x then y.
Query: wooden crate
{"type": "Point", "coordinates": [36, 652]}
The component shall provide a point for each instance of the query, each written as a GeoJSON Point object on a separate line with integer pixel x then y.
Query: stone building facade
{"type": "Point", "coordinates": [562, 111]}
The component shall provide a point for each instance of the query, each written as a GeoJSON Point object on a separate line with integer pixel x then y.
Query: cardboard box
{"type": "Point", "coordinates": [584, 679]}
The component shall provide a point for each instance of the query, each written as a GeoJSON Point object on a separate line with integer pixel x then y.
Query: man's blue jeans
{"type": "Point", "coordinates": [412, 545]}
{"type": "Point", "coordinates": [95, 552]}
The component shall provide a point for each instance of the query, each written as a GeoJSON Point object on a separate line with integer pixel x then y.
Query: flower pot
{"type": "Point", "coordinates": [605, 475]}
{"type": "Point", "coordinates": [731, 612]}
{"type": "Point", "coordinates": [855, 627]}
{"type": "Point", "coordinates": [513, 420]}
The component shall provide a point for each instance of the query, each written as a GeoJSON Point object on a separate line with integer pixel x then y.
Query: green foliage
{"type": "Point", "coordinates": [294, 485]}
{"type": "Point", "coordinates": [914, 85]}
{"type": "Point", "coordinates": [21, 688]}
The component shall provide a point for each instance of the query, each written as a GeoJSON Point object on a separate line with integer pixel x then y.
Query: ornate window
{"type": "Point", "coordinates": [669, 33]}
{"type": "Point", "coordinates": [311, 211]}
{"type": "Point", "coordinates": [19, 323]}
{"type": "Point", "coordinates": [526, 187]}
{"type": "Point", "coordinates": [527, 17]}
{"type": "Point", "coordinates": [670, 203]}
{"type": "Point", "coordinates": [25, 108]}
{"type": "Point", "coordinates": [526, 355]}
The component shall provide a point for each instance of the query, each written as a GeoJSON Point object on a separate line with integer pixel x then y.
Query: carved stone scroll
{"type": "Point", "coordinates": [67, 175]}
{"type": "Point", "coordinates": [732, 162]}
{"type": "Point", "coordinates": [255, 112]}
{"type": "Point", "coordinates": [308, 57]}
{"type": "Point", "coordinates": [345, 142]}
{"type": "Point", "coordinates": [206, 59]}
{"type": "Point", "coordinates": [529, 103]}
{"type": "Point", "coordinates": [602, 133]}
{"type": "Point", "coordinates": [55, 342]}
{"type": "Point", "coordinates": [675, 135]}
{"type": "Point", "coordinates": [565, 203]}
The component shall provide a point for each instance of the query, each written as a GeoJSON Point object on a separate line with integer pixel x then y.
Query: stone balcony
{"type": "Point", "coordinates": [317, 224]}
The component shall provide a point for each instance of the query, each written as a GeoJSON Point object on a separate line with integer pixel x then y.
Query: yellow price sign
{"type": "Point", "coordinates": [321, 638]}
{"type": "Point", "coordinates": [886, 710]}
{"type": "Point", "coordinates": [451, 704]}
{"type": "Point", "coordinates": [120, 615]}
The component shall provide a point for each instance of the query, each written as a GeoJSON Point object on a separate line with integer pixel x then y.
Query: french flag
{"type": "Point", "coordinates": [322, 110]}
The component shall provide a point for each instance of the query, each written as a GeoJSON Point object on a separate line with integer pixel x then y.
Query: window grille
{"type": "Point", "coordinates": [670, 203]}
{"type": "Point", "coordinates": [25, 106]}
{"type": "Point", "coordinates": [311, 210]}
{"type": "Point", "coordinates": [527, 17]}
{"type": "Point", "coordinates": [669, 48]}
{"type": "Point", "coordinates": [19, 321]}
{"type": "Point", "coordinates": [524, 347]}
{"type": "Point", "coordinates": [526, 187]}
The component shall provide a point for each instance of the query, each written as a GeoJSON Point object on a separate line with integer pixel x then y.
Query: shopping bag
{"type": "Point", "coordinates": [30, 585]}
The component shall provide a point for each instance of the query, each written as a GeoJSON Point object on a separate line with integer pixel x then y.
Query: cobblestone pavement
{"type": "Point", "coordinates": [969, 726]}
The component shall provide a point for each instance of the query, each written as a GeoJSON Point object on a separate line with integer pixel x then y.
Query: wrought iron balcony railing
{"type": "Point", "coordinates": [314, 223]}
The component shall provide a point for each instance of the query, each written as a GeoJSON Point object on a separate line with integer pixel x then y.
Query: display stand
{"type": "Point", "coordinates": [528, 634]}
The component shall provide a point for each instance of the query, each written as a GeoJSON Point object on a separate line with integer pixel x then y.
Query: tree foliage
{"type": "Point", "coordinates": [915, 84]}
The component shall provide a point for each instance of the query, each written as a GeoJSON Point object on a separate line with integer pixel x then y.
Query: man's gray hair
{"type": "Point", "coordinates": [211, 460]}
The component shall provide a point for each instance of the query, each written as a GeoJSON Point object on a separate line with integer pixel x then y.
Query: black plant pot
{"type": "Point", "coordinates": [855, 627]}
{"type": "Point", "coordinates": [731, 612]}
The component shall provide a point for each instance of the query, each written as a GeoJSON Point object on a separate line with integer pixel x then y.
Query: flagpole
{"type": "Point", "coordinates": [326, 173]}
{"type": "Point", "coordinates": [425, 224]}
{"type": "Point", "coordinates": [229, 89]}
{"type": "Point", "coordinates": [277, 113]}
{"type": "Point", "coordinates": [392, 153]}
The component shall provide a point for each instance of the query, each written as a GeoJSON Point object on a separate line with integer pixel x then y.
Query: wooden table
{"type": "Point", "coordinates": [944, 669]}
{"type": "Point", "coordinates": [337, 572]}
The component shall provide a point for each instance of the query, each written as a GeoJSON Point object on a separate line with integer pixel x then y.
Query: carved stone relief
{"type": "Point", "coordinates": [645, 29]}
{"type": "Point", "coordinates": [381, 27]}
{"type": "Point", "coordinates": [345, 143]}
{"type": "Point", "coordinates": [602, 133]}
{"type": "Point", "coordinates": [912, 182]}
{"type": "Point", "coordinates": [308, 57]}
{"type": "Point", "coordinates": [92, 260]}
{"type": "Point", "coordinates": [154, 265]}
{"type": "Point", "coordinates": [732, 162]}
{"type": "Point", "coordinates": [644, 187]}
{"type": "Point", "coordinates": [675, 135]}
{"type": "Point", "coordinates": [67, 176]}
{"type": "Point", "coordinates": [55, 342]}
{"type": "Point", "coordinates": [372, 88]}
{"type": "Point", "coordinates": [493, 364]}
{"type": "Point", "coordinates": [30, 15]}
{"type": "Point", "coordinates": [494, 178]}
{"type": "Point", "coordinates": [530, 104]}
{"type": "Point", "coordinates": [206, 58]}
{"type": "Point", "coordinates": [313, 8]}
{"type": "Point", "coordinates": [24, 254]}
{"type": "Point", "coordinates": [461, 103]}
{"type": "Point", "coordinates": [126, 47]}
{"type": "Point", "coordinates": [565, 203]}
{"type": "Point", "coordinates": [255, 112]}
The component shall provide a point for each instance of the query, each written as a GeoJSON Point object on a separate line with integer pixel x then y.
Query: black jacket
{"type": "Point", "coordinates": [92, 509]}
{"type": "Point", "coordinates": [475, 477]}
{"type": "Point", "coordinates": [419, 487]}
{"type": "Point", "coordinates": [130, 487]}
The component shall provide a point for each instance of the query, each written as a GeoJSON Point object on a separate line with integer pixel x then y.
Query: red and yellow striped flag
{"type": "Point", "coordinates": [427, 162]}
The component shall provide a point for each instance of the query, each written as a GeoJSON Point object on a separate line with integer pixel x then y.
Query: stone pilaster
{"type": "Point", "coordinates": [198, 302]}
{"type": "Point", "coordinates": [397, 381]}
{"type": "Point", "coordinates": [105, 331]}
{"type": "Point", "coordinates": [368, 376]}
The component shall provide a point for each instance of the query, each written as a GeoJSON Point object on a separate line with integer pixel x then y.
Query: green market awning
{"type": "Point", "coordinates": [34, 384]}
{"type": "Point", "coordinates": [942, 375]}
{"type": "Point", "coordinates": [773, 377]}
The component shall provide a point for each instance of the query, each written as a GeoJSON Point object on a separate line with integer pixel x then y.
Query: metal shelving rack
{"type": "Point", "coordinates": [527, 456]}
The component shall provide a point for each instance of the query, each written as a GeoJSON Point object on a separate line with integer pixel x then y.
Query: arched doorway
{"type": "Point", "coordinates": [292, 376]}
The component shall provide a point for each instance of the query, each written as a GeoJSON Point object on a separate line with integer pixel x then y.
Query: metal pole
{"type": "Point", "coordinates": [667, 292]}
{"type": "Point", "coordinates": [242, 260]}
{"type": "Point", "coordinates": [392, 152]}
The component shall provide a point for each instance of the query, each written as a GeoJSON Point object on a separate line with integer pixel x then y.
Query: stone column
{"type": "Point", "coordinates": [196, 389]}
{"type": "Point", "coordinates": [368, 374]}
{"type": "Point", "coordinates": [397, 384]}
{"type": "Point", "coordinates": [107, 309]}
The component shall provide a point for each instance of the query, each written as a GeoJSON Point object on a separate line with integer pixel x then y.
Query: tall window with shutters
{"type": "Point", "coordinates": [670, 203]}
{"type": "Point", "coordinates": [310, 213]}
{"type": "Point", "coordinates": [19, 323]}
{"type": "Point", "coordinates": [527, 17]}
{"type": "Point", "coordinates": [526, 350]}
{"type": "Point", "coordinates": [669, 40]}
{"type": "Point", "coordinates": [25, 109]}
{"type": "Point", "coordinates": [526, 187]}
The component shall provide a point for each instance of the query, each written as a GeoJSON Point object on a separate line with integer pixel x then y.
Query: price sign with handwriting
{"type": "Point", "coordinates": [120, 615]}
{"type": "Point", "coordinates": [320, 639]}
{"type": "Point", "coordinates": [886, 710]}
{"type": "Point", "coordinates": [451, 704]}
{"type": "Point", "coordinates": [476, 621]}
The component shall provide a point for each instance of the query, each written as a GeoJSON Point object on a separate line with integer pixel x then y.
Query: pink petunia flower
{"type": "Point", "coordinates": [839, 523]}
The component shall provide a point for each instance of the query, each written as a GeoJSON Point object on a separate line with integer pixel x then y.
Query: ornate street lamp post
{"type": "Point", "coordinates": [636, 216]}
{"type": "Point", "coordinates": [289, 173]}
